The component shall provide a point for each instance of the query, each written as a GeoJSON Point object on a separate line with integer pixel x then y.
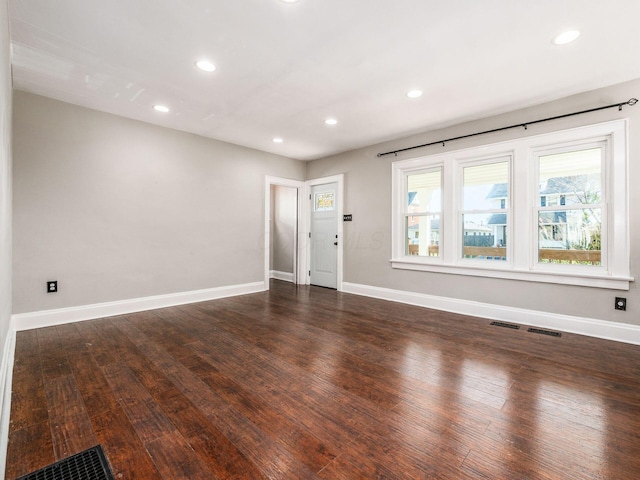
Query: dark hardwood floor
{"type": "Point", "coordinates": [304, 383]}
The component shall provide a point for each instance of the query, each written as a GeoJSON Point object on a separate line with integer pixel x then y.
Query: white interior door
{"type": "Point", "coordinates": [324, 235]}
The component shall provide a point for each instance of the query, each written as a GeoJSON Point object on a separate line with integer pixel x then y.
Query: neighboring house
{"type": "Point", "coordinates": [557, 228]}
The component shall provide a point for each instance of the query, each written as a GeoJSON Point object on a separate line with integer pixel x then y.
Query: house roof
{"type": "Point", "coordinates": [571, 184]}
{"type": "Point", "coordinates": [499, 190]}
{"type": "Point", "coordinates": [498, 219]}
{"type": "Point", "coordinates": [552, 217]}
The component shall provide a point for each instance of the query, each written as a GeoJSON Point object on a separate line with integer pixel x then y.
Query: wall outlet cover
{"type": "Point", "coordinates": [621, 303]}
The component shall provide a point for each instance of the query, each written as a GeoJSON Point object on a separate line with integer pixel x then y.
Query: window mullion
{"type": "Point", "coordinates": [450, 205]}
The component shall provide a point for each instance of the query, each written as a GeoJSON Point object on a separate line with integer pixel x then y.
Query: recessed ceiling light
{"type": "Point", "coordinates": [278, 140]}
{"type": "Point", "coordinates": [289, 1]}
{"type": "Point", "coordinates": [205, 65]}
{"type": "Point", "coordinates": [161, 108]}
{"type": "Point", "coordinates": [331, 121]}
{"type": "Point", "coordinates": [566, 37]}
{"type": "Point", "coordinates": [414, 93]}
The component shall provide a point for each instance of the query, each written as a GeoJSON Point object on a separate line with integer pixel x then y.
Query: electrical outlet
{"type": "Point", "coordinates": [52, 287]}
{"type": "Point", "coordinates": [621, 303]}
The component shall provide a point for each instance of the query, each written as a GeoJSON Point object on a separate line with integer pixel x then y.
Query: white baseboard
{"type": "Point", "coordinates": [619, 332]}
{"type": "Point", "coordinates": [286, 276]}
{"type": "Point", "coordinates": [48, 318]}
{"type": "Point", "coordinates": [6, 378]}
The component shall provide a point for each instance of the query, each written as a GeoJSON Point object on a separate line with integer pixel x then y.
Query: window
{"type": "Point", "coordinates": [570, 220]}
{"type": "Point", "coordinates": [484, 220]}
{"type": "Point", "coordinates": [324, 202]}
{"type": "Point", "coordinates": [540, 208]}
{"type": "Point", "coordinates": [422, 213]}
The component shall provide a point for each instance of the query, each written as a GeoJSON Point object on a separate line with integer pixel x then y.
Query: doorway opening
{"type": "Point", "coordinates": [303, 231]}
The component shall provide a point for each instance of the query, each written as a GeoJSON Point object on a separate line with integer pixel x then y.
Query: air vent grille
{"type": "Point", "coordinates": [88, 465]}
{"type": "Point", "coordinates": [544, 332]}
{"type": "Point", "coordinates": [506, 325]}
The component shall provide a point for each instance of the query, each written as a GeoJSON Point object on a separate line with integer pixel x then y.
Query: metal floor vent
{"type": "Point", "coordinates": [544, 332]}
{"type": "Point", "coordinates": [88, 465]}
{"type": "Point", "coordinates": [506, 325]}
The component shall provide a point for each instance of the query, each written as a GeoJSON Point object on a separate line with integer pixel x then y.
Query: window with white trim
{"type": "Point", "coordinates": [570, 209]}
{"type": "Point", "coordinates": [484, 216]}
{"type": "Point", "coordinates": [423, 211]}
{"type": "Point", "coordinates": [540, 208]}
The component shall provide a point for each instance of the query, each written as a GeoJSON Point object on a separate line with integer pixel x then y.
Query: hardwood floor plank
{"type": "Point", "coordinates": [217, 409]}
{"type": "Point", "coordinates": [28, 400]}
{"type": "Point", "coordinates": [29, 449]}
{"type": "Point", "coordinates": [52, 356]}
{"type": "Point", "coordinates": [71, 428]}
{"type": "Point", "coordinates": [368, 422]}
{"type": "Point", "coordinates": [301, 442]}
{"type": "Point", "coordinates": [144, 414]}
{"type": "Point", "coordinates": [128, 457]}
{"type": "Point", "coordinates": [304, 382]}
{"type": "Point", "coordinates": [96, 393]}
{"type": "Point", "coordinates": [221, 456]}
{"type": "Point", "coordinates": [175, 459]}
{"type": "Point", "coordinates": [296, 439]}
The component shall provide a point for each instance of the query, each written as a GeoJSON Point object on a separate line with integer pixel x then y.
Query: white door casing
{"type": "Point", "coordinates": [303, 246]}
{"type": "Point", "coordinates": [300, 265]}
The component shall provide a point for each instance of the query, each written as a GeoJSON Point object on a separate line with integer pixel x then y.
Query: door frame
{"type": "Point", "coordinates": [306, 251]}
{"type": "Point", "coordinates": [302, 252]}
{"type": "Point", "coordinates": [298, 269]}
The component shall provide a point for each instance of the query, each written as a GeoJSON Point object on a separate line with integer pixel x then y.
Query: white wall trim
{"type": "Point", "coordinates": [6, 379]}
{"type": "Point", "coordinates": [619, 332]}
{"type": "Point", "coordinates": [285, 276]}
{"type": "Point", "coordinates": [47, 318]}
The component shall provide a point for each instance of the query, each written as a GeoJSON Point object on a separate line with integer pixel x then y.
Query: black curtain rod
{"type": "Point", "coordinates": [630, 102]}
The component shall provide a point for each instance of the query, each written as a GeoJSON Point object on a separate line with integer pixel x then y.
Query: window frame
{"type": "Point", "coordinates": [405, 206]}
{"type": "Point", "coordinates": [604, 203]}
{"type": "Point", "coordinates": [460, 211]}
{"type": "Point", "coordinates": [522, 246]}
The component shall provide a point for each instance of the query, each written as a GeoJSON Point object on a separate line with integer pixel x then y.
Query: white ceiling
{"type": "Point", "coordinates": [282, 69]}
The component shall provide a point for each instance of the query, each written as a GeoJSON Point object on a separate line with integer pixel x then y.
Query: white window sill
{"type": "Point", "coordinates": [497, 271]}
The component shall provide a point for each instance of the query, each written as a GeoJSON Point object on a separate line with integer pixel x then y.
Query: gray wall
{"type": "Point", "coordinates": [284, 227]}
{"type": "Point", "coordinates": [368, 198]}
{"type": "Point", "coordinates": [5, 176]}
{"type": "Point", "coordinates": [117, 209]}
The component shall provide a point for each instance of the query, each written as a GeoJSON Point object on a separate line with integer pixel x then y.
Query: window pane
{"type": "Point", "coordinates": [571, 178]}
{"type": "Point", "coordinates": [324, 202]}
{"type": "Point", "coordinates": [423, 235]}
{"type": "Point", "coordinates": [570, 236]}
{"type": "Point", "coordinates": [485, 236]}
{"type": "Point", "coordinates": [485, 186]}
{"type": "Point", "coordinates": [425, 191]}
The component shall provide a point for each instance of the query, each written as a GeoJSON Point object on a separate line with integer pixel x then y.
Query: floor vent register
{"type": "Point", "coordinates": [88, 465]}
